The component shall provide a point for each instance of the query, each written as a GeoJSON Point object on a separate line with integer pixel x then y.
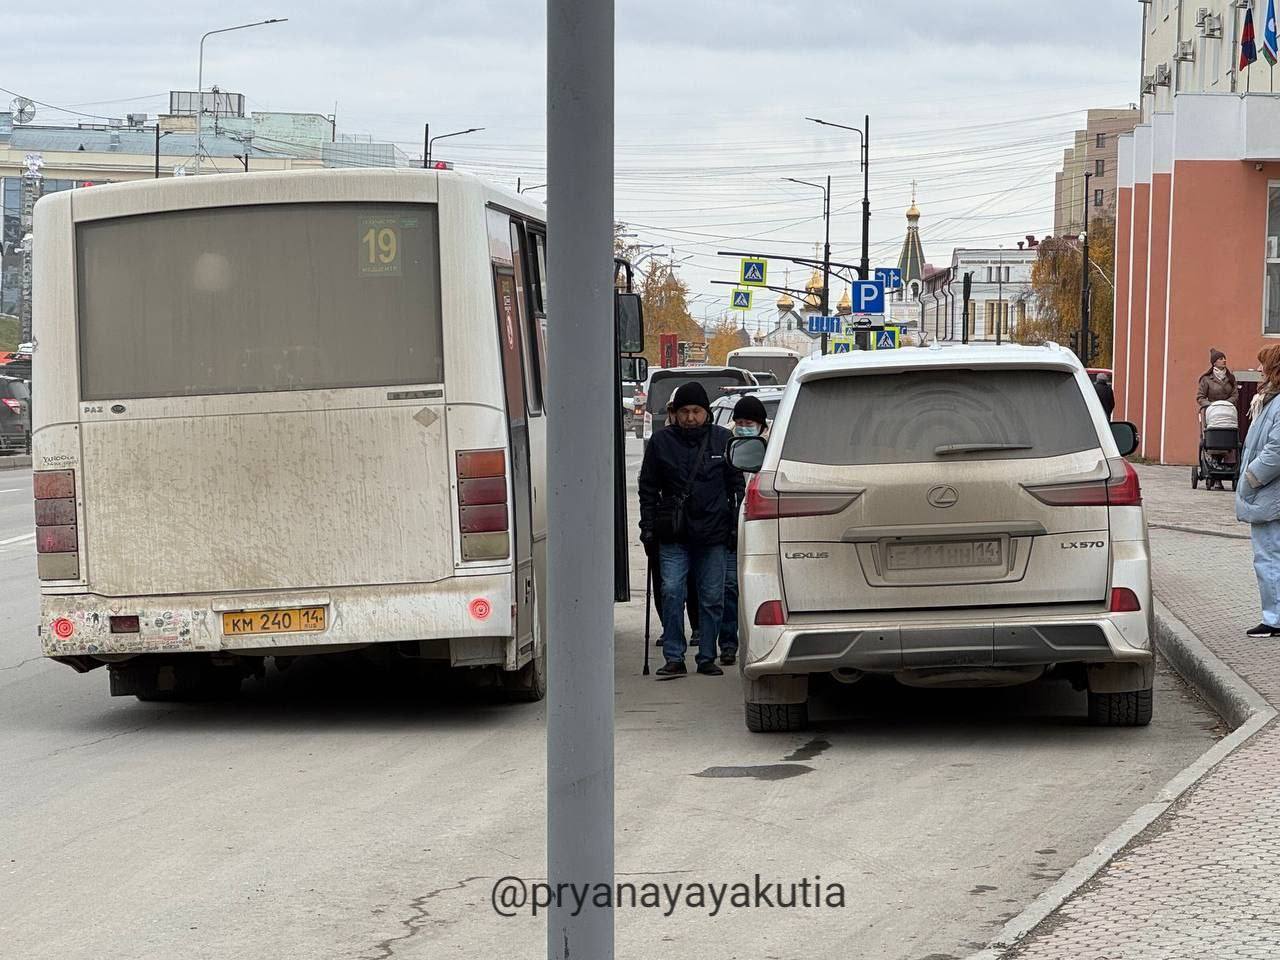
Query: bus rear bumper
{"type": "Point", "coordinates": [474, 609]}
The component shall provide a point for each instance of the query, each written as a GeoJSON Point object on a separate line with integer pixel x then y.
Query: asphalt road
{"type": "Point", "coordinates": [341, 812]}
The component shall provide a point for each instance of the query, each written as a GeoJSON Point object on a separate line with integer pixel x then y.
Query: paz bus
{"type": "Point", "coordinates": [777, 361]}
{"type": "Point", "coordinates": [290, 413]}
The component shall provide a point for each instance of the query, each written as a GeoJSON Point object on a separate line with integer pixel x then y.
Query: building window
{"type": "Point", "coordinates": [1101, 141]}
{"type": "Point", "coordinates": [1099, 168]}
{"type": "Point", "coordinates": [1097, 198]}
{"type": "Point", "coordinates": [1271, 290]}
{"type": "Point", "coordinates": [990, 274]}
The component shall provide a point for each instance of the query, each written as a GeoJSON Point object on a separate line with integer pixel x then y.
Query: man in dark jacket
{"type": "Point", "coordinates": [686, 464]}
{"type": "Point", "coordinates": [1106, 396]}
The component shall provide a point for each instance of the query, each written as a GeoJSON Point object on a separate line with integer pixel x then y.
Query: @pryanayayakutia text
{"type": "Point", "coordinates": [514, 895]}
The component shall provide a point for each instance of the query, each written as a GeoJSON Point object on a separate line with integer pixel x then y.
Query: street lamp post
{"type": "Point", "coordinates": [864, 135]}
{"type": "Point", "coordinates": [826, 247]}
{"type": "Point", "coordinates": [429, 140]}
{"type": "Point", "coordinates": [159, 136]}
{"type": "Point", "coordinates": [999, 294]}
{"type": "Point", "coordinates": [1084, 352]}
{"type": "Point", "coordinates": [200, 78]}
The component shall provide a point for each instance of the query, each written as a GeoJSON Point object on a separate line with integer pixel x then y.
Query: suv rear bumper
{"type": "Point", "coordinates": [953, 641]}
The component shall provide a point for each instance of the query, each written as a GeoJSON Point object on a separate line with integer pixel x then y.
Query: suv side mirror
{"type": "Point", "coordinates": [628, 313]}
{"type": "Point", "coordinates": [747, 453]}
{"type": "Point", "coordinates": [1126, 436]}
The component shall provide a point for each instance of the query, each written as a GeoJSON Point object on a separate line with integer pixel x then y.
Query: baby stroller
{"type": "Point", "coordinates": [1219, 445]}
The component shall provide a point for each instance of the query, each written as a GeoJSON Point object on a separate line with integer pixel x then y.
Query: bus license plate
{"type": "Point", "coordinates": [955, 553]}
{"type": "Point", "coordinates": [292, 620]}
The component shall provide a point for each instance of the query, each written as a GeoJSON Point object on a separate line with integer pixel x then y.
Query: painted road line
{"type": "Point", "coordinates": [12, 490]}
{"type": "Point", "coordinates": [22, 539]}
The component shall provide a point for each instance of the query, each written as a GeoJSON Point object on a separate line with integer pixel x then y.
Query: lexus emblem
{"type": "Point", "coordinates": [943, 496]}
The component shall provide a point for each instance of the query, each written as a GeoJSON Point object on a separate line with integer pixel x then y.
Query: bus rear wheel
{"type": "Point", "coordinates": [187, 678]}
{"type": "Point", "coordinates": [529, 683]}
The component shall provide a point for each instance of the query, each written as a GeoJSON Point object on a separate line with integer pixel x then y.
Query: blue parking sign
{"type": "Point", "coordinates": [868, 296]}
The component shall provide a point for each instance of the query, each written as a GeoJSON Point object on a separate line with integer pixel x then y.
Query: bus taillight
{"type": "Point", "coordinates": [483, 517]}
{"type": "Point", "coordinates": [57, 536]}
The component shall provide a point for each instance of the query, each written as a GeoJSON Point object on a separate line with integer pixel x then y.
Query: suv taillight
{"type": "Point", "coordinates": [1122, 489]}
{"type": "Point", "coordinates": [763, 502]}
{"type": "Point", "coordinates": [57, 536]}
{"type": "Point", "coordinates": [483, 517]}
{"type": "Point", "coordinates": [637, 403]}
{"type": "Point", "coordinates": [14, 405]}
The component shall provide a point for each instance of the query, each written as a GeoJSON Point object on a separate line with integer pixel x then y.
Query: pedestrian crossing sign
{"type": "Point", "coordinates": [887, 339]}
{"type": "Point", "coordinates": [843, 344]}
{"type": "Point", "coordinates": [741, 300]}
{"type": "Point", "coordinates": [753, 272]}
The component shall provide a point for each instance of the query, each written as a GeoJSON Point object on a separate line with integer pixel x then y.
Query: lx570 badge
{"type": "Point", "coordinates": [1083, 544]}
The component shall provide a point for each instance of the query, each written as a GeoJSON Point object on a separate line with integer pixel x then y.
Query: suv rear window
{"type": "Point", "coordinates": [662, 387]}
{"type": "Point", "coordinates": [928, 416]}
{"type": "Point", "coordinates": [14, 389]}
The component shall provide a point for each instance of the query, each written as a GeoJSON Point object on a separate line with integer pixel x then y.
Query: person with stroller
{"type": "Point", "coordinates": [1217, 383]}
{"type": "Point", "coordinates": [1258, 493]}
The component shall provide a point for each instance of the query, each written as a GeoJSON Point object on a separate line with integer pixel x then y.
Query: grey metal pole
{"type": "Point", "coordinates": [865, 264]}
{"type": "Point", "coordinates": [580, 766]}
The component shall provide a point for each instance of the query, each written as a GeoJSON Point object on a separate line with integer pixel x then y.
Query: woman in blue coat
{"type": "Point", "coordinates": [1258, 491]}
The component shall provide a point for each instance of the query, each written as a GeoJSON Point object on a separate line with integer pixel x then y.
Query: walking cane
{"type": "Point", "coordinates": [648, 610]}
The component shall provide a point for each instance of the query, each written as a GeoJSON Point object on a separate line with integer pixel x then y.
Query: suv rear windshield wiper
{"type": "Point", "coordinates": [948, 448]}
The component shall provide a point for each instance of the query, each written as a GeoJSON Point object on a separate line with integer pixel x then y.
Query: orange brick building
{"type": "Point", "coordinates": [1197, 257]}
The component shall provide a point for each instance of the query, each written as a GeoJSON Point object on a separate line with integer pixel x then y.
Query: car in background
{"type": "Point", "coordinates": [1094, 371]}
{"type": "Point", "coordinates": [662, 383]}
{"type": "Point", "coordinates": [951, 516]}
{"type": "Point", "coordinates": [628, 394]}
{"type": "Point", "coordinates": [15, 415]}
{"type": "Point", "coordinates": [722, 408]}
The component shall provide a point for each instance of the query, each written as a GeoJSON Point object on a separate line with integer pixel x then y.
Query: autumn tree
{"type": "Point", "coordinates": [1055, 282]}
{"type": "Point", "coordinates": [724, 337]}
{"type": "Point", "coordinates": [664, 295]}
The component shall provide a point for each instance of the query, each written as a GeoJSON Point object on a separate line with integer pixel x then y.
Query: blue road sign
{"type": "Point", "coordinates": [887, 339]}
{"type": "Point", "coordinates": [753, 272]}
{"type": "Point", "coordinates": [824, 324]}
{"type": "Point", "coordinates": [742, 299]}
{"type": "Point", "coordinates": [868, 296]}
{"type": "Point", "coordinates": [891, 277]}
{"type": "Point", "coordinates": [842, 345]}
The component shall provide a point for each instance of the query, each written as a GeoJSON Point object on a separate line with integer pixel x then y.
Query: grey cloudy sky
{"type": "Point", "coordinates": [975, 99]}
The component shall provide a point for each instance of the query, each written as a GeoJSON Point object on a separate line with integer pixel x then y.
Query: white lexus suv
{"type": "Point", "coordinates": [949, 515]}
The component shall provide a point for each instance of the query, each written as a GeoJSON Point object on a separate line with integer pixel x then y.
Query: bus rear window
{"type": "Point", "coordinates": [253, 299]}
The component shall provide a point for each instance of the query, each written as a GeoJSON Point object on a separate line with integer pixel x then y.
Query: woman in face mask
{"type": "Point", "coordinates": [1216, 383]}
{"type": "Point", "coordinates": [750, 419]}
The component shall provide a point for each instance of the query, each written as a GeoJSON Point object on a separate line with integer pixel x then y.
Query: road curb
{"type": "Point", "coordinates": [1244, 709]}
{"type": "Point", "coordinates": [14, 463]}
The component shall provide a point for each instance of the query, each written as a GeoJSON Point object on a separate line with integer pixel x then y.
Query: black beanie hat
{"type": "Point", "coordinates": [690, 394]}
{"type": "Point", "coordinates": [1215, 356]}
{"type": "Point", "coordinates": [750, 408]}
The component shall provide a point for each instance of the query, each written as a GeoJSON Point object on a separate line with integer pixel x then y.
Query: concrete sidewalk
{"type": "Point", "coordinates": [1203, 880]}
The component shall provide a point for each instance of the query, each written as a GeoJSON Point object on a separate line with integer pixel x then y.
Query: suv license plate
{"type": "Point", "coordinates": [952, 553]}
{"type": "Point", "coordinates": [292, 620]}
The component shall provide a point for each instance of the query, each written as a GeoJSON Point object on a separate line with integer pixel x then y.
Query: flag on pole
{"type": "Point", "coordinates": [1248, 42]}
{"type": "Point", "coordinates": [1269, 35]}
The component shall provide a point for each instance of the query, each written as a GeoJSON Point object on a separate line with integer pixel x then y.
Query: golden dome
{"type": "Point", "coordinates": [815, 282]}
{"type": "Point", "coordinates": [845, 306]}
{"type": "Point", "coordinates": [913, 212]}
{"type": "Point", "coordinates": [786, 303]}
